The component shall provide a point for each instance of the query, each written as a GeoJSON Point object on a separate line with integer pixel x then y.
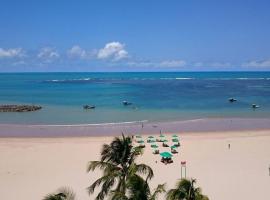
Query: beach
{"type": "Point", "coordinates": [31, 167]}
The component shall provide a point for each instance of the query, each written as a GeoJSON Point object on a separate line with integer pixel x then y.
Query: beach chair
{"type": "Point", "coordinates": [165, 144]}
{"type": "Point", "coordinates": [174, 151]}
{"type": "Point", "coordinates": [177, 144]}
{"type": "Point", "coordinates": [156, 151]}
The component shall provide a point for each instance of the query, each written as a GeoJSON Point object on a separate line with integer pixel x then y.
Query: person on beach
{"type": "Point", "coordinates": [229, 146]}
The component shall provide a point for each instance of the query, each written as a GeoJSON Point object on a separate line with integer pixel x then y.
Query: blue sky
{"type": "Point", "coordinates": [141, 35]}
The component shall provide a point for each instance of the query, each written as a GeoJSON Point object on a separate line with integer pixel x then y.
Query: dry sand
{"type": "Point", "coordinates": [33, 167]}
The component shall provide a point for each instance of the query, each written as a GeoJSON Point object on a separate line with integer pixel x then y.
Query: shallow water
{"type": "Point", "coordinates": [155, 96]}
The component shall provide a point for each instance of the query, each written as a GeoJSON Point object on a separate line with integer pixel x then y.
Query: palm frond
{"type": "Point", "coordinates": [145, 170]}
{"type": "Point", "coordinates": [107, 182]}
{"type": "Point", "coordinates": [175, 194]}
{"type": "Point", "coordinates": [118, 196]}
{"type": "Point", "coordinates": [92, 165]}
{"type": "Point", "coordinates": [63, 193]}
{"type": "Point", "coordinates": [159, 189]}
{"type": "Point", "coordinates": [138, 188]}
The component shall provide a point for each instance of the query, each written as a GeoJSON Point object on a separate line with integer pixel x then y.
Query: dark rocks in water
{"type": "Point", "coordinates": [126, 103]}
{"type": "Point", "coordinates": [19, 108]}
{"type": "Point", "coordinates": [89, 107]}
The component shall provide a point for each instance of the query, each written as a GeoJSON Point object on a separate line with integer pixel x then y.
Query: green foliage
{"type": "Point", "coordinates": [119, 167]}
{"type": "Point", "coordinates": [61, 194]}
{"type": "Point", "coordinates": [186, 190]}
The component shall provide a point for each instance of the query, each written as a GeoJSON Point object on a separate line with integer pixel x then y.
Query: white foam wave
{"type": "Point", "coordinates": [99, 124]}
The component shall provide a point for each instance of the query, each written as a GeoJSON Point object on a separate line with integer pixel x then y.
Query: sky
{"type": "Point", "coordinates": [141, 35]}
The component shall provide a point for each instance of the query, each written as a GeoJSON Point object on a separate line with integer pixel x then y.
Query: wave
{"type": "Point", "coordinates": [69, 80]}
{"type": "Point", "coordinates": [147, 79]}
{"type": "Point", "coordinates": [241, 78]}
{"type": "Point", "coordinates": [76, 125]}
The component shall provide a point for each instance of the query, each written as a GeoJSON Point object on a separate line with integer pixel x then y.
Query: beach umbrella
{"type": "Point", "coordinates": [140, 141]}
{"type": "Point", "coordinates": [138, 136]}
{"type": "Point", "coordinates": [154, 146]}
{"type": "Point", "coordinates": [175, 136]}
{"type": "Point", "coordinates": [165, 141]}
{"type": "Point", "coordinates": [151, 141]}
{"type": "Point", "coordinates": [175, 140]}
{"type": "Point", "coordinates": [173, 147]}
{"type": "Point", "coordinates": [151, 136]}
{"type": "Point", "coordinates": [166, 154]}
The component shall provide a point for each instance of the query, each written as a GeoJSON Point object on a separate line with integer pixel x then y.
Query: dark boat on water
{"type": "Point", "coordinates": [254, 106]}
{"type": "Point", "coordinates": [232, 99]}
{"type": "Point", "coordinates": [126, 103]}
{"type": "Point", "coordinates": [89, 107]}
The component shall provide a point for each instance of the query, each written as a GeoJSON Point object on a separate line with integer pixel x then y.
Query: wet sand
{"type": "Point", "coordinates": [110, 129]}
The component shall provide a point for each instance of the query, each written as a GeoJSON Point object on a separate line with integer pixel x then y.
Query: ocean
{"type": "Point", "coordinates": [160, 96]}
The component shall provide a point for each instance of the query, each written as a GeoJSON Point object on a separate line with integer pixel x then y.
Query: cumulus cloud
{"type": "Point", "coordinates": [77, 52]}
{"type": "Point", "coordinates": [257, 64]}
{"type": "Point", "coordinates": [113, 50]}
{"type": "Point", "coordinates": [11, 53]}
{"type": "Point", "coordinates": [48, 54]}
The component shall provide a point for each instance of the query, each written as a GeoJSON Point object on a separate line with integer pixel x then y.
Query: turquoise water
{"type": "Point", "coordinates": [155, 96]}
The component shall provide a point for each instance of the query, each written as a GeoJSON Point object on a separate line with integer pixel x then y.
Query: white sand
{"type": "Point", "coordinates": [33, 167]}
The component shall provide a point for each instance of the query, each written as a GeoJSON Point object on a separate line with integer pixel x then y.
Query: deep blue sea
{"type": "Point", "coordinates": [162, 96]}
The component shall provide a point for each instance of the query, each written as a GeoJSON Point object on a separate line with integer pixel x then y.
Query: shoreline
{"type": "Point", "coordinates": [139, 127]}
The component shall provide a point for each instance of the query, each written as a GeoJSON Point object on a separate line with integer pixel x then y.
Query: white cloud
{"type": "Point", "coordinates": [211, 64]}
{"type": "Point", "coordinates": [141, 63]}
{"type": "Point", "coordinates": [113, 50]}
{"type": "Point", "coordinates": [77, 51]}
{"type": "Point", "coordinates": [257, 64]}
{"type": "Point", "coordinates": [162, 64]}
{"type": "Point", "coordinates": [21, 62]}
{"type": "Point", "coordinates": [173, 63]}
{"type": "Point", "coordinates": [219, 64]}
{"type": "Point", "coordinates": [11, 53]}
{"type": "Point", "coordinates": [48, 54]}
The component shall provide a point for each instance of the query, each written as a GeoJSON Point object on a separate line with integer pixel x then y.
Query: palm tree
{"type": "Point", "coordinates": [186, 190]}
{"type": "Point", "coordinates": [118, 165]}
{"type": "Point", "coordinates": [138, 189]}
{"type": "Point", "coordinates": [62, 194]}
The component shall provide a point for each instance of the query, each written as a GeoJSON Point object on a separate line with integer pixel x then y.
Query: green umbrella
{"type": "Point", "coordinates": [151, 141]}
{"type": "Point", "coordinates": [166, 154]}
{"type": "Point", "coordinates": [175, 135]}
{"type": "Point", "coordinates": [140, 141]}
{"type": "Point", "coordinates": [151, 136]}
{"type": "Point", "coordinates": [154, 146]}
{"type": "Point", "coordinates": [138, 136]}
{"type": "Point", "coordinates": [173, 147]}
{"type": "Point", "coordinates": [165, 141]}
{"type": "Point", "coordinates": [175, 140]}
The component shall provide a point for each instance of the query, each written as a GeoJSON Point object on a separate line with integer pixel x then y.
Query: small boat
{"type": "Point", "coordinates": [89, 107]}
{"type": "Point", "coordinates": [126, 103]}
{"type": "Point", "coordinates": [232, 99]}
{"type": "Point", "coordinates": [254, 106]}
